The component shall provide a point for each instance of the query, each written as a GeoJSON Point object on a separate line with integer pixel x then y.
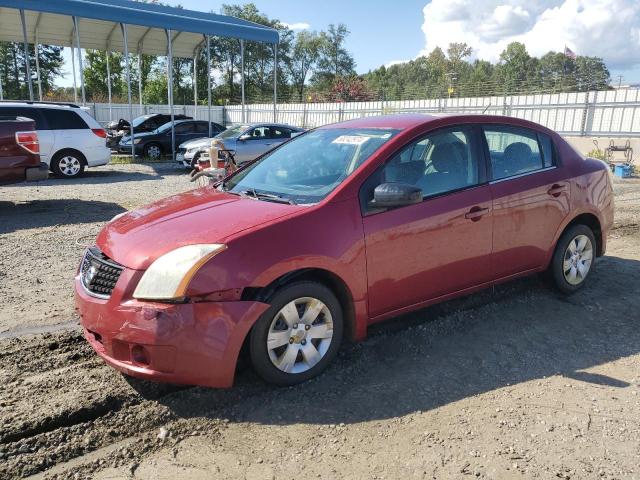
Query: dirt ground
{"type": "Point", "coordinates": [513, 382]}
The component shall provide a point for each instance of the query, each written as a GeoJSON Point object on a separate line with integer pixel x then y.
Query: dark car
{"type": "Point", "coordinates": [157, 143]}
{"type": "Point", "coordinates": [332, 232]}
{"type": "Point", "coordinates": [144, 123]}
{"type": "Point", "coordinates": [20, 151]}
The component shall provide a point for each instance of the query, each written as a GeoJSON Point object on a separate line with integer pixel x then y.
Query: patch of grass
{"type": "Point", "coordinates": [128, 159]}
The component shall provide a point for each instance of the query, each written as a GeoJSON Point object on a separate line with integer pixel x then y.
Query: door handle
{"type": "Point", "coordinates": [476, 213]}
{"type": "Point", "coordinates": [556, 190]}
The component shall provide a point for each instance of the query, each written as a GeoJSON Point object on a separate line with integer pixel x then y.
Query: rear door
{"type": "Point", "coordinates": [530, 197]}
{"type": "Point", "coordinates": [278, 135]}
{"type": "Point", "coordinates": [440, 246]}
{"type": "Point", "coordinates": [70, 130]}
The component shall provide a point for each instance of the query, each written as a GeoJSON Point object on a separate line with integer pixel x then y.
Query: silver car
{"type": "Point", "coordinates": [250, 141]}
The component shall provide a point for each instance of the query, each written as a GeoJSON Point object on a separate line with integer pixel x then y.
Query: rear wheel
{"type": "Point", "coordinates": [67, 164]}
{"type": "Point", "coordinates": [573, 259]}
{"type": "Point", "coordinates": [298, 336]}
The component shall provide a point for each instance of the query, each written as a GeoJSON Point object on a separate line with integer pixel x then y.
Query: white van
{"type": "Point", "coordinates": [70, 138]}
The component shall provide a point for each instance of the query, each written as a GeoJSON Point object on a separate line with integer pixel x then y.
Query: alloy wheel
{"type": "Point", "coordinates": [577, 260]}
{"type": "Point", "coordinates": [69, 166]}
{"type": "Point", "coordinates": [300, 335]}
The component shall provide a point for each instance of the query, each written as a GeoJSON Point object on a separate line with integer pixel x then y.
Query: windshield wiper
{"type": "Point", "coordinates": [267, 197]}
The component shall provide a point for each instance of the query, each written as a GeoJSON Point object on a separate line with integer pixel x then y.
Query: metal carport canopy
{"type": "Point", "coordinates": [50, 22]}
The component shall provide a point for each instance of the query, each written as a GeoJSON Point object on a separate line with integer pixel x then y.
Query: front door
{"type": "Point", "coordinates": [421, 252]}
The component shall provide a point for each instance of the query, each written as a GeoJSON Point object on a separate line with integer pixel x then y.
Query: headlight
{"type": "Point", "coordinates": [168, 277]}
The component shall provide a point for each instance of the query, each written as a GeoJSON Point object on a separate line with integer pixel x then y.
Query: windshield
{"type": "Point", "coordinates": [233, 131]}
{"type": "Point", "coordinates": [307, 168]}
{"type": "Point", "coordinates": [166, 126]}
{"type": "Point", "coordinates": [140, 120]}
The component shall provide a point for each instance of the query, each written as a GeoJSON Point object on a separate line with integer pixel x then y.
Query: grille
{"type": "Point", "coordinates": [98, 273]}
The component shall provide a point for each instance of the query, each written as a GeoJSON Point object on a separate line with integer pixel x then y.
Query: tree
{"type": "Point", "coordinates": [95, 75]}
{"type": "Point", "coordinates": [335, 60]}
{"type": "Point", "coordinates": [13, 69]}
{"type": "Point", "coordinates": [304, 59]}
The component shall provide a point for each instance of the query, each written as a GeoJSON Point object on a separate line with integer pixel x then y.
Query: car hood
{"type": "Point", "coordinates": [127, 138]}
{"type": "Point", "coordinates": [198, 142]}
{"type": "Point", "coordinates": [203, 215]}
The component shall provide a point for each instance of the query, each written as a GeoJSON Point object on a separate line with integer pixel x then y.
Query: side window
{"type": "Point", "coordinates": [59, 119]}
{"type": "Point", "coordinates": [202, 127]}
{"type": "Point", "coordinates": [441, 162]}
{"type": "Point", "coordinates": [259, 133]}
{"type": "Point", "coordinates": [513, 151]}
{"type": "Point", "coordinates": [547, 150]}
{"type": "Point", "coordinates": [278, 132]}
{"type": "Point", "coordinates": [184, 128]}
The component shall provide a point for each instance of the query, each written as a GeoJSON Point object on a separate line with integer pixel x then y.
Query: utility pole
{"type": "Point", "coordinates": [620, 81]}
{"type": "Point", "coordinates": [452, 78]}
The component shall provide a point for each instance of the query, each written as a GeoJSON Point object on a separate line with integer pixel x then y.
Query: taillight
{"type": "Point", "coordinates": [221, 163]}
{"type": "Point", "coordinates": [100, 132]}
{"type": "Point", "coordinates": [28, 141]}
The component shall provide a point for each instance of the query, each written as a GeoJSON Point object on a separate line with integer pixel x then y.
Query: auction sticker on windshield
{"type": "Point", "coordinates": [351, 139]}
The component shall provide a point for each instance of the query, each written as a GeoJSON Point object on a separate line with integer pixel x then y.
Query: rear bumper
{"type": "Point", "coordinates": [191, 344]}
{"type": "Point", "coordinates": [41, 172]}
{"type": "Point", "coordinates": [96, 156]}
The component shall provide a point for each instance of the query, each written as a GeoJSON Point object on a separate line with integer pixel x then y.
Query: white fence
{"type": "Point", "coordinates": [101, 112]}
{"type": "Point", "coordinates": [598, 113]}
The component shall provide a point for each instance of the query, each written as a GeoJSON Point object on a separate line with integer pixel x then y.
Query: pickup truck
{"type": "Point", "coordinates": [20, 151]}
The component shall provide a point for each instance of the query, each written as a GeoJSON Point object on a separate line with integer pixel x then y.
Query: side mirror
{"type": "Point", "coordinates": [244, 138]}
{"type": "Point", "coordinates": [389, 195]}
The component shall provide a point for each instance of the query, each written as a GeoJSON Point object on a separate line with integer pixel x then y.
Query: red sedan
{"type": "Point", "coordinates": [342, 227]}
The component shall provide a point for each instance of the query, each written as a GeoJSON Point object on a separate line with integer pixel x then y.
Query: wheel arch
{"type": "Point", "coordinates": [74, 151]}
{"type": "Point", "coordinates": [325, 277]}
{"type": "Point", "coordinates": [591, 221]}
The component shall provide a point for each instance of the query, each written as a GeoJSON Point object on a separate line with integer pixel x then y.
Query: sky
{"type": "Point", "coordinates": [383, 32]}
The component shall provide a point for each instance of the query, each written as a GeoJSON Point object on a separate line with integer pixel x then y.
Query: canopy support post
{"type": "Point", "coordinates": [209, 82]}
{"type": "Point", "coordinates": [275, 82]}
{"type": "Point", "coordinates": [123, 27]}
{"type": "Point", "coordinates": [73, 70]}
{"type": "Point", "coordinates": [26, 53]}
{"type": "Point", "coordinates": [1, 91]}
{"type": "Point", "coordinates": [38, 78]}
{"type": "Point", "coordinates": [242, 79]}
{"type": "Point", "coordinates": [195, 84]}
{"type": "Point", "coordinates": [75, 27]}
{"type": "Point", "coordinates": [170, 89]}
{"type": "Point", "coordinates": [140, 79]}
{"type": "Point", "coordinates": [109, 84]}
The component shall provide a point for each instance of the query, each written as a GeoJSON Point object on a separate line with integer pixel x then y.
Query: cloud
{"type": "Point", "coordinates": [604, 28]}
{"type": "Point", "coordinates": [297, 26]}
{"type": "Point", "coordinates": [395, 62]}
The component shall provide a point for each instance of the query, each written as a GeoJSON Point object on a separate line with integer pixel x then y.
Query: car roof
{"type": "Point", "coordinates": [29, 104]}
{"type": "Point", "coordinates": [404, 121]}
{"type": "Point", "coordinates": [267, 124]}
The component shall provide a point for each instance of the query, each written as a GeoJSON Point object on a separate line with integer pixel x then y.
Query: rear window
{"type": "Point", "coordinates": [59, 119]}
{"type": "Point", "coordinates": [32, 113]}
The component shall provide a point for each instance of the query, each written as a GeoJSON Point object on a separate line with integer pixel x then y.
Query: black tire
{"type": "Point", "coordinates": [258, 350]}
{"type": "Point", "coordinates": [149, 151]}
{"type": "Point", "coordinates": [556, 271]}
{"type": "Point", "coordinates": [68, 164]}
{"type": "Point", "coordinates": [194, 161]}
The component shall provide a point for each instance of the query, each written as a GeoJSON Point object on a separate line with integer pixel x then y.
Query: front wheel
{"type": "Point", "coordinates": [573, 259]}
{"type": "Point", "coordinates": [152, 151]}
{"type": "Point", "coordinates": [298, 336]}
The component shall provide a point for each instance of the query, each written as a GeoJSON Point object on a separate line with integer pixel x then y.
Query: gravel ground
{"type": "Point", "coordinates": [513, 382]}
